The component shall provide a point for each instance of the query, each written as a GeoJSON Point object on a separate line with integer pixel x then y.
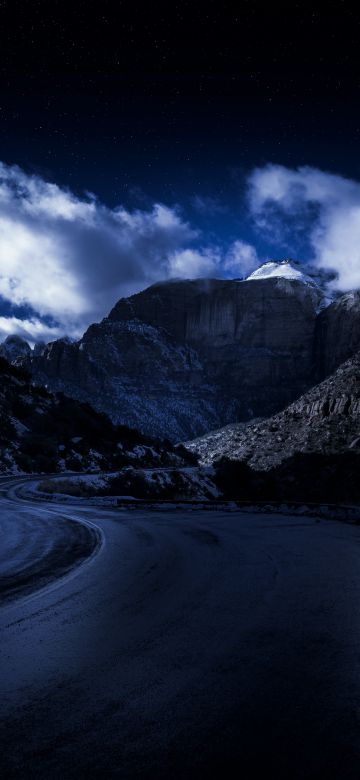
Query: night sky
{"type": "Point", "coordinates": [176, 104]}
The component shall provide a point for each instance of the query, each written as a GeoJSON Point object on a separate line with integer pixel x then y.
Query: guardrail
{"type": "Point", "coordinates": [320, 509]}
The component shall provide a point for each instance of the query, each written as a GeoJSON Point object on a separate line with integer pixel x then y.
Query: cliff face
{"type": "Point", "coordinates": [324, 420]}
{"type": "Point", "coordinates": [40, 432]}
{"type": "Point", "coordinates": [183, 357]}
{"type": "Point", "coordinates": [13, 348]}
{"type": "Point", "coordinates": [216, 312]}
{"type": "Point", "coordinates": [337, 333]}
{"type": "Point", "coordinates": [135, 373]}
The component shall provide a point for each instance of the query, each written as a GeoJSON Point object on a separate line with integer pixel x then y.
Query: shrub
{"type": "Point", "coordinates": [7, 428]}
{"type": "Point", "coordinates": [187, 455]}
{"type": "Point", "coordinates": [74, 464]}
{"type": "Point", "coordinates": [69, 487]}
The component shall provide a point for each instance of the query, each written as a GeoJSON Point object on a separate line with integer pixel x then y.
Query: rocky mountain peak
{"type": "Point", "coordinates": [284, 269]}
{"type": "Point", "coordinates": [14, 347]}
{"type": "Point", "coordinates": [184, 357]}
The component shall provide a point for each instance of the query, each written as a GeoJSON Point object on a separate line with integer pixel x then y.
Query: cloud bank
{"type": "Point", "coordinates": [69, 259]}
{"type": "Point", "coordinates": [324, 204]}
{"type": "Point", "coordinates": [65, 260]}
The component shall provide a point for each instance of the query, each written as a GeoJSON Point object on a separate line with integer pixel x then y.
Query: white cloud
{"type": "Point", "coordinates": [72, 258]}
{"type": "Point", "coordinates": [241, 259]}
{"type": "Point", "coordinates": [33, 270]}
{"type": "Point", "coordinates": [334, 224]}
{"type": "Point", "coordinates": [29, 329]}
{"type": "Point", "coordinates": [69, 259]}
{"type": "Point", "coordinates": [192, 263]}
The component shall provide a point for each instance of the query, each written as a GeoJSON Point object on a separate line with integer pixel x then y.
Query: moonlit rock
{"type": "Point", "coordinates": [283, 269]}
{"type": "Point", "coordinates": [14, 347]}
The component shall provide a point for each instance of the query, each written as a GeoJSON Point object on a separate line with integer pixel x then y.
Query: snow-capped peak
{"type": "Point", "coordinates": [283, 269]}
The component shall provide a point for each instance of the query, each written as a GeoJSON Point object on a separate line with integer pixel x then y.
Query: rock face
{"type": "Point", "coordinates": [184, 357]}
{"type": "Point", "coordinates": [14, 347]}
{"type": "Point", "coordinates": [41, 432]}
{"type": "Point", "coordinates": [337, 333]}
{"type": "Point", "coordinates": [136, 373]}
{"type": "Point", "coordinates": [324, 420]}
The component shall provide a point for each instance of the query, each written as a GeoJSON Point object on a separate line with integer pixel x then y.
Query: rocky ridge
{"type": "Point", "coordinates": [325, 420]}
{"type": "Point", "coordinates": [41, 432]}
{"type": "Point", "coordinates": [184, 357]}
{"type": "Point", "coordinates": [14, 348]}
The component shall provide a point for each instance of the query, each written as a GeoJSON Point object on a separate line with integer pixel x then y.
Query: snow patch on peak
{"type": "Point", "coordinates": [291, 270]}
{"type": "Point", "coordinates": [282, 269]}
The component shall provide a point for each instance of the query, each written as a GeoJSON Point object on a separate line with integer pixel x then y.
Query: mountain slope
{"type": "Point", "coordinates": [337, 334]}
{"type": "Point", "coordinates": [184, 357]}
{"type": "Point", "coordinates": [324, 420]}
{"type": "Point", "coordinates": [284, 269]}
{"type": "Point", "coordinates": [293, 269]}
{"type": "Point", "coordinates": [14, 348]}
{"type": "Point", "coordinates": [40, 432]}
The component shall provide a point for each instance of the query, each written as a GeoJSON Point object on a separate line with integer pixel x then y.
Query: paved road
{"type": "Point", "coordinates": [190, 642]}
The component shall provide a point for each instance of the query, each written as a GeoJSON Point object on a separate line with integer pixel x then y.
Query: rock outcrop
{"type": "Point", "coordinates": [184, 357]}
{"type": "Point", "coordinates": [14, 348]}
{"type": "Point", "coordinates": [41, 432]}
{"type": "Point", "coordinates": [337, 333]}
{"type": "Point", "coordinates": [325, 420]}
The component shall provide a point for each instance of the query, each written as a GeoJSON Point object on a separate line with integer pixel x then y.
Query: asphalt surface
{"type": "Point", "coordinates": [177, 645]}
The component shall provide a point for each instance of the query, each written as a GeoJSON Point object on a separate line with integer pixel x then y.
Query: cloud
{"type": "Point", "coordinates": [324, 204]}
{"type": "Point", "coordinates": [193, 263]}
{"type": "Point", "coordinates": [241, 259]}
{"type": "Point", "coordinates": [68, 259]}
{"type": "Point", "coordinates": [33, 330]}
{"type": "Point", "coordinates": [237, 261]}
{"type": "Point", "coordinates": [71, 258]}
{"type": "Point", "coordinates": [65, 260]}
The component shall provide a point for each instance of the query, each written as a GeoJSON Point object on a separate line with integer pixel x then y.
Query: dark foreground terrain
{"type": "Point", "coordinates": [190, 644]}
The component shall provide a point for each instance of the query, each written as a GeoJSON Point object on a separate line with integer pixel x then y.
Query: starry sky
{"type": "Point", "coordinates": [202, 136]}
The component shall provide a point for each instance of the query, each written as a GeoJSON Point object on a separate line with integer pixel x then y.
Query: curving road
{"type": "Point", "coordinates": [38, 549]}
{"type": "Point", "coordinates": [158, 645]}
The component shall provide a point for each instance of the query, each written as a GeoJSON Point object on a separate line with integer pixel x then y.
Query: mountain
{"type": "Point", "coordinates": [325, 420]}
{"type": "Point", "coordinates": [283, 269]}
{"type": "Point", "coordinates": [14, 348]}
{"type": "Point", "coordinates": [293, 269]}
{"type": "Point", "coordinates": [40, 432]}
{"type": "Point", "coordinates": [184, 357]}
